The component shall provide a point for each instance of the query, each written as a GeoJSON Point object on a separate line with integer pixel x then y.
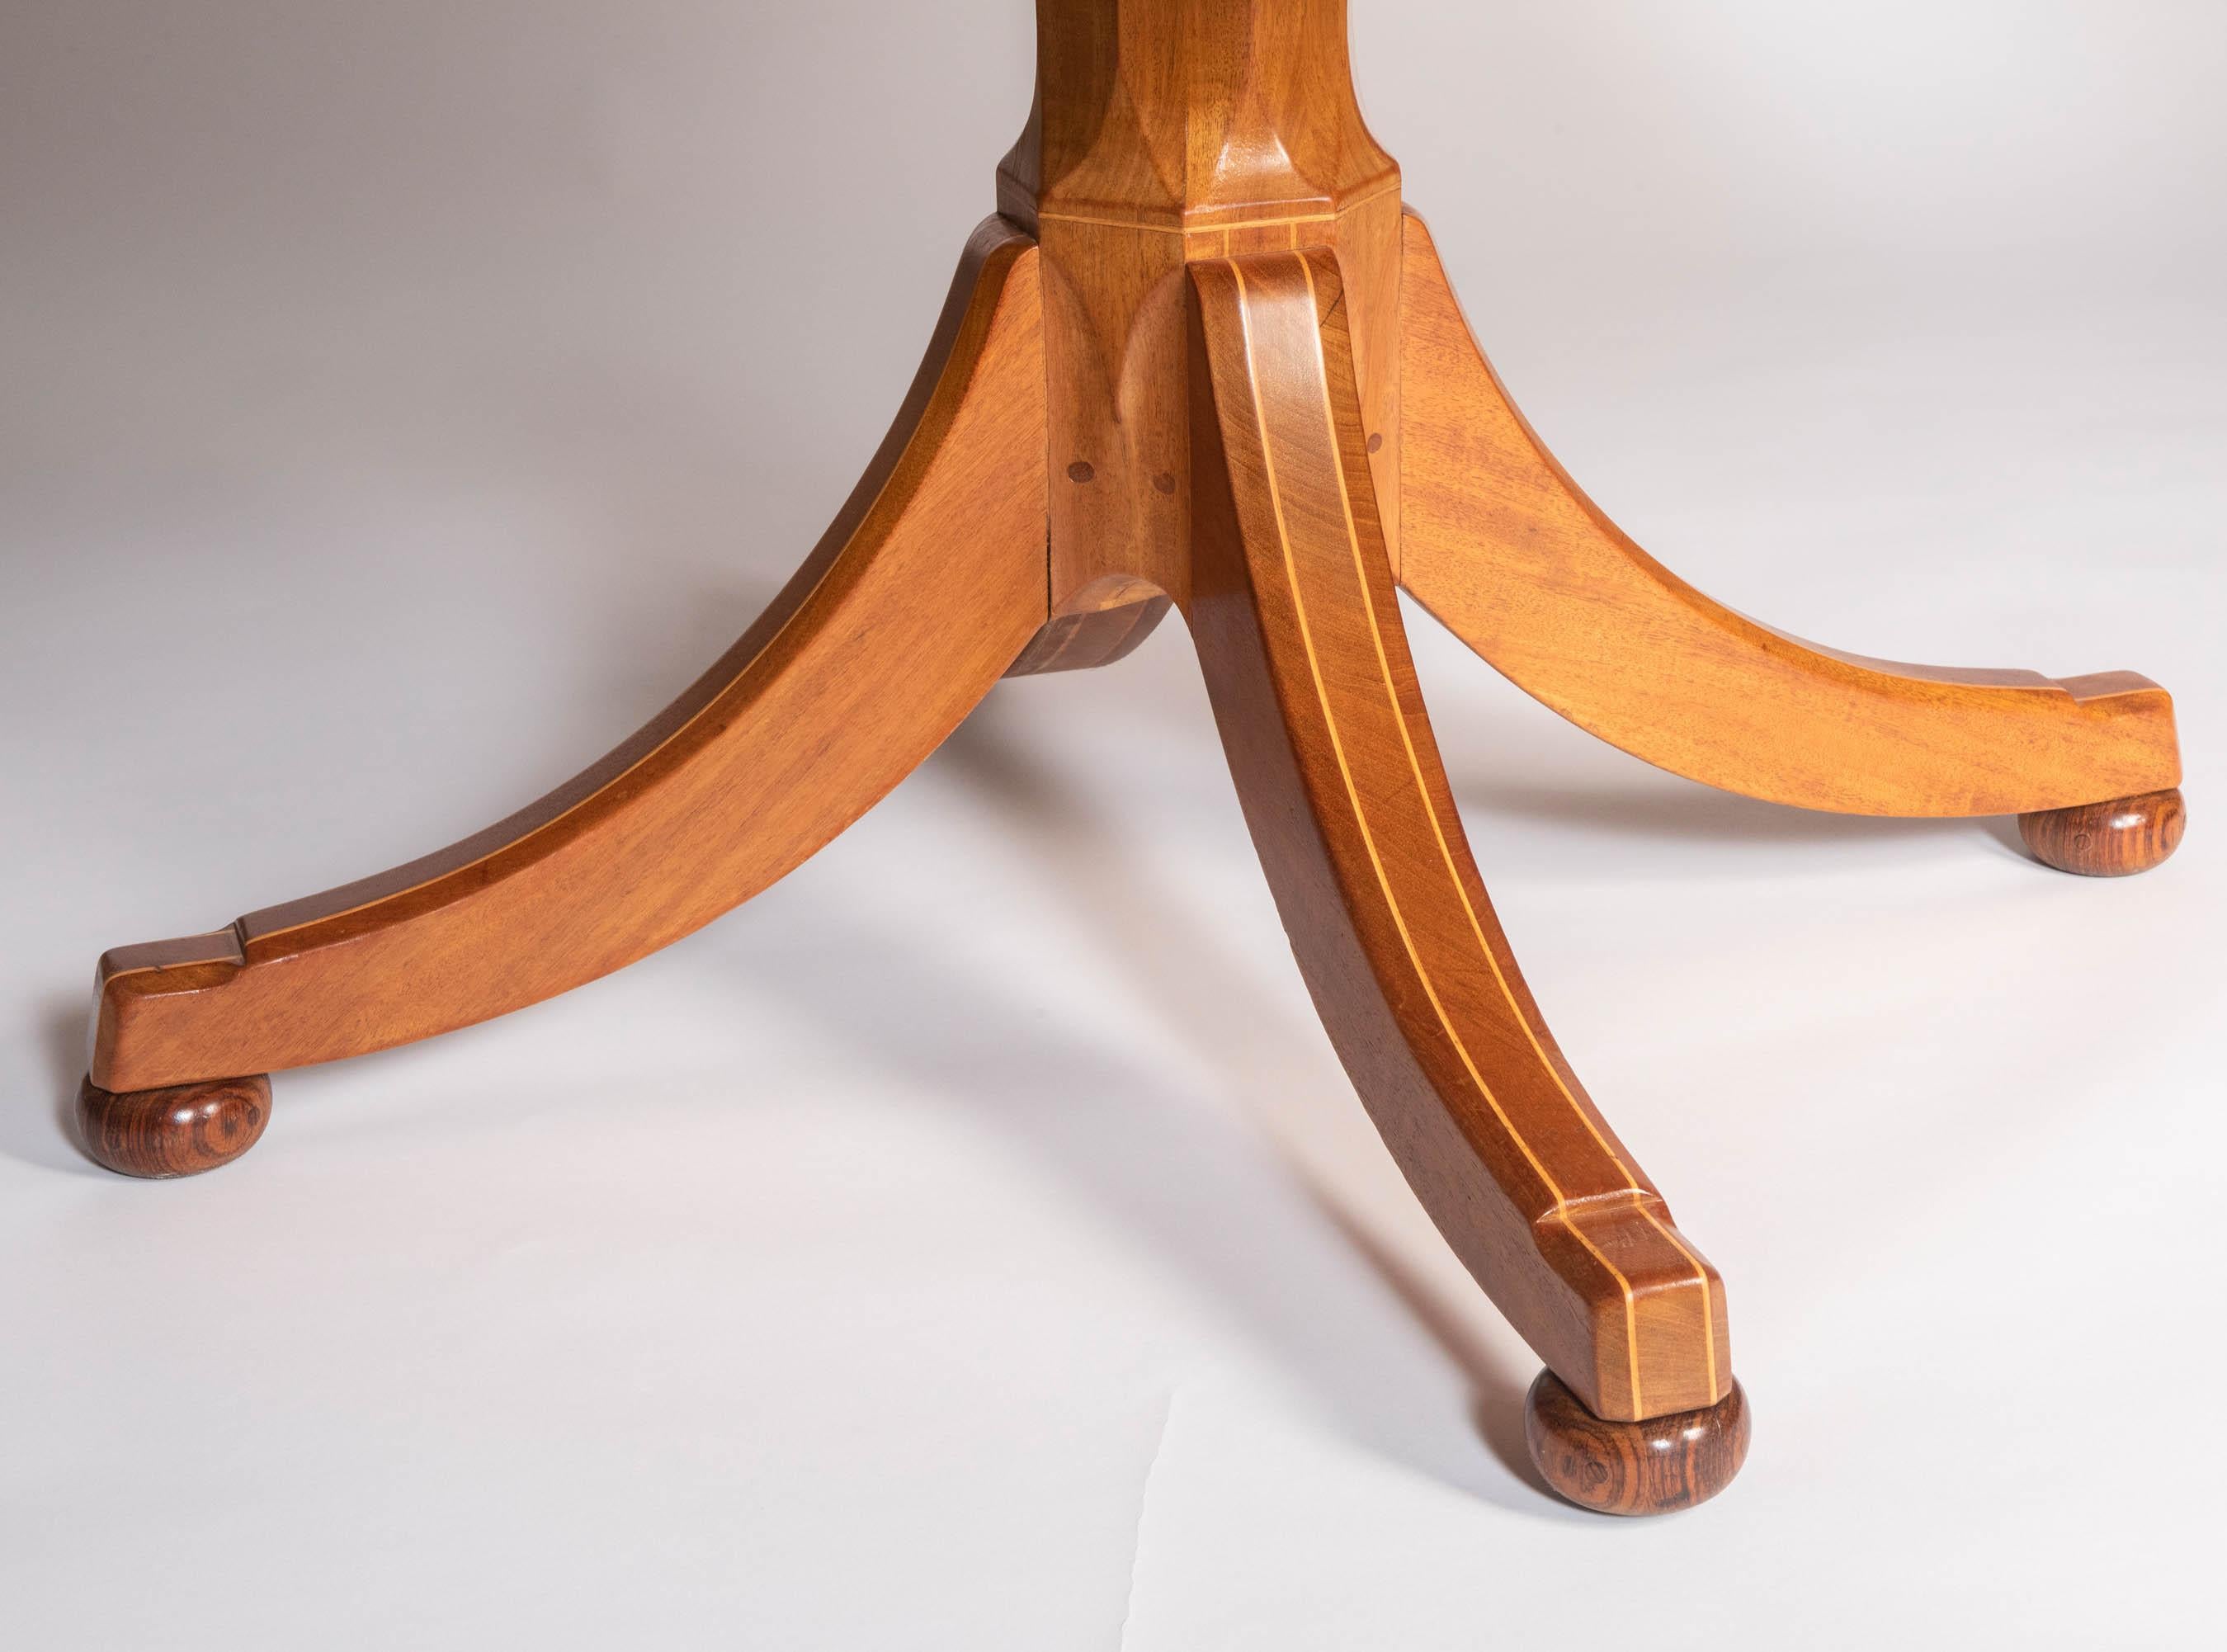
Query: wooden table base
{"type": "Point", "coordinates": [1203, 359]}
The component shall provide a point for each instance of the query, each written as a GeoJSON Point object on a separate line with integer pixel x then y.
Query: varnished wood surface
{"type": "Point", "coordinates": [1084, 641]}
{"type": "Point", "coordinates": [927, 586]}
{"type": "Point", "coordinates": [1505, 549]}
{"type": "Point", "coordinates": [1299, 636]}
{"type": "Point", "coordinates": [2115, 839]}
{"type": "Point", "coordinates": [1164, 131]}
{"type": "Point", "coordinates": [1655, 1467]}
{"type": "Point", "coordinates": [182, 1130]}
{"type": "Point", "coordinates": [1204, 361]}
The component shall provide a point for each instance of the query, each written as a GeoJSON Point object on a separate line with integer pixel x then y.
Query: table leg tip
{"type": "Point", "coordinates": [181, 1130]}
{"type": "Point", "coordinates": [1656, 1466]}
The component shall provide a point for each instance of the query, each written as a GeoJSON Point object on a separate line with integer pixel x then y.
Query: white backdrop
{"type": "Point", "coordinates": [974, 1243]}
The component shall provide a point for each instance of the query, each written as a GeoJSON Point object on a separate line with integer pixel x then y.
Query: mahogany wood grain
{"type": "Point", "coordinates": [1164, 131]}
{"type": "Point", "coordinates": [1507, 551]}
{"type": "Point", "coordinates": [2115, 839]}
{"type": "Point", "coordinates": [1655, 1467]}
{"type": "Point", "coordinates": [1306, 664]}
{"type": "Point", "coordinates": [926, 587]}
{"type": "Point", "coordinates": [1098, 636]}
{"type": "Point", "coordinates": [1204, 361]}
{"type": "Point", "coordinates": [181, 1129]}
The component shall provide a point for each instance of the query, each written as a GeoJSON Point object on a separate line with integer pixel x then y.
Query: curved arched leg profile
{"type": "Point", "coordinates": [1299, 637]}
{"type": "Point", "coordinates": [929, 583]}
{"type": "Point", "coordinates": [1501, 545]}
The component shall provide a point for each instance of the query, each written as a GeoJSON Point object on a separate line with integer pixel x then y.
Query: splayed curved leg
{"type": "Point", "coordinates": [1298, 633]}
{"type": "Point", "coordinates": [1501, 545]}
{"type": "Point", "coordinates": [928, 584]}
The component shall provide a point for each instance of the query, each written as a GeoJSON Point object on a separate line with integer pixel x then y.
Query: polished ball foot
{"type": "Point", "coordinates": [180, 1131]}
{"type": "Point", "coordinates": [1655, 1467]}
{"type": "Point", "coordinates": [2108, 839]}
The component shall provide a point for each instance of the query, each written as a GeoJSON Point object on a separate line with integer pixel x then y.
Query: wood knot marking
{"type": "Point", "coordinates": [1376, 443]}
{"type": "Point", "coordinates": [1080, 471]}
{"type": "Point", "coordinates": [1166, 481]}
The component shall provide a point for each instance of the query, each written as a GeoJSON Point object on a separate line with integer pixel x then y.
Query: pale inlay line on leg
{"type": "Point", "coordinates": [1454, 871]}
{"type": "Point", "coordinates": [1560, 1212]}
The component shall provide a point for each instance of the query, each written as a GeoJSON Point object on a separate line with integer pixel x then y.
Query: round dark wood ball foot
{"type": "Point", "coordinates": [180, 1131]}
{"type": "Point", "coordinates": [2114, 839]}
{"type": "Point", "coordinates": [1654, 1467]}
